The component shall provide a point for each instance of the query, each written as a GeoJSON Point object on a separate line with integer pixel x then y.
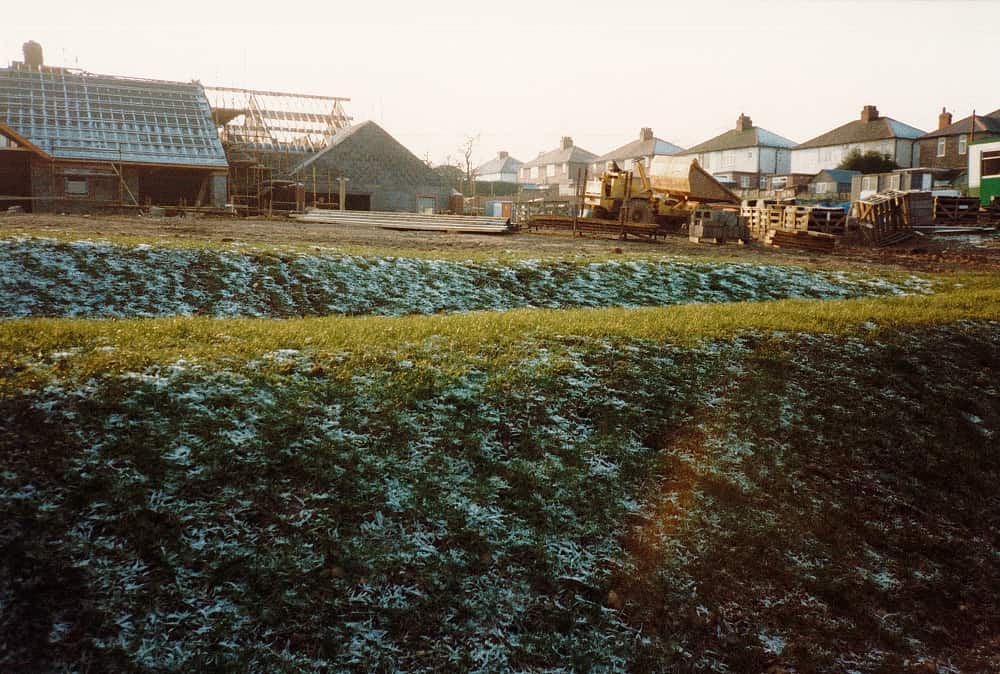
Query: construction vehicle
{"type": "Point", "coordinates": [665, 196]}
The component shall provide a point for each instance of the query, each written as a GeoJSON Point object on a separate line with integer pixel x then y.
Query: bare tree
{"type": "Point", "coordinates": [467, 149]}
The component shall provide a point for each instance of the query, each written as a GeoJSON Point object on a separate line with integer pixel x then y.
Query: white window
{"type": "Point", "coordinates": [729, 158]}
{"type": "Point", "coordinates": [893, 181]}
{"type": "Point", "coordinates": [745, 182]}
{"type": "Point", "coordinates": [942, 146]}
{"type": "Point", "coordinates": [762, 183]}
{"type": "Point", "coordinates": [76, 187]}
{"type": "Point", "coordinates": [963, 144]}
{"type": "Point", "coordinates": [534, 172]}
{"type": "Point", "coordinates": [566, 169]}
{"type": "Point", "coordinates": [550, 170]}
{"type": "Point", "coordinates": [822, 188]}
{"type": "Point", "coordinates": [869, 184]}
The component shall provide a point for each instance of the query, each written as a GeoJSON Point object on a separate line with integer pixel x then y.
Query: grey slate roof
{"type": "Point", "coordinates": [641, 148]}
{"type": "Point", "coordinates": [570, 155]}
{"type": "Point", "coordinates": [79, 116]}
{"type": "Point", "coordinates": [988, 123]}
{"type": "Point", "coordinates": [859, 131]}
{"type": "Point", "coordinates": [499, 165]}
{"type": "Point", "coordinates": [839, 176]}
{"type": "Point", "coordinates": [735, 139]}
{"type": "Point", "coordinates": [366, 153]}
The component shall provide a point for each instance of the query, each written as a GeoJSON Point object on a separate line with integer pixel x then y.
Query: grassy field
{"type": "Point", "coordinates": [796, 484]}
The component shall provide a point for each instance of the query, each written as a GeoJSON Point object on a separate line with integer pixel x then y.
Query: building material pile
{"type": "Point", "coordinates": [956, 210]}
{"type": "Point", "coordinates": [715, 225]}
{"type": "Point", "coordinates": [463, 224]}
{"type": "Point", "coordinates": [794, 226]}
{"type": "Point", "coordinates": [887, 217]}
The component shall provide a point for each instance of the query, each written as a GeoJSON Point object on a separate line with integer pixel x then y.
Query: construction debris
{"type": "Point", "coordinates": [887, 218]}
{"type": "Point", "coordinates": [794, 225]}
{"type": "Point", "coordinates": [462, 224]}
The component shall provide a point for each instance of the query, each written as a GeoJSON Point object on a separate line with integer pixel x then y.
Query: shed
{"type": "Point", "coordinates": [832, 181]}
{"type": "Point", "coordinates": [380, 173]}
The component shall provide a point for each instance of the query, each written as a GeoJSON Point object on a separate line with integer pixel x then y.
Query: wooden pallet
{"type": "Point", "coordinates": [956, 210]}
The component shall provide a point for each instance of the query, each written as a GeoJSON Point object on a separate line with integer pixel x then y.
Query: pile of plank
{"type": "Point", "coordinates": [595, 227]}
{"type": "Point", "coordinates": [464, 224]}
{"type": "Point", "coordinates": [814, 241]}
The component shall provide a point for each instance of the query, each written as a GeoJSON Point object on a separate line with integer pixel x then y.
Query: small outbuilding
{"type": "Point", "coordinates": [379, 173]}
{"type": "Point", "coordinates": [831, 182]}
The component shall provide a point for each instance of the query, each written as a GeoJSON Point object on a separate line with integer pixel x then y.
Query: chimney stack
{"type": "Point", "coordinates": [944, 119]}
{"type": "Point", "coordinates": [743, 123]}
{"type": "Point", "coordinates": [869, 113]}
{"type": "Point", "coordinates": [567, 142]}
{"type": "Point", "coordinates": [645, 133]}
{"type": "Point", "coordinates": [32, 55]}
{"type": "Point", "coordinates": [503, 154]}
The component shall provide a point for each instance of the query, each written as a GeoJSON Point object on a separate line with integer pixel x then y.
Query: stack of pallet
{"type": "Point", "coordinates": [884, 218]}
{"type": "Point", "coordinates": [956, 210]}
{"type": "Point", "coordinates": [799, 226]}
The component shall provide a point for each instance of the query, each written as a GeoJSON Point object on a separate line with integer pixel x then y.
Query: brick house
{"type": "Point", "coordinates": [558, 167]}
{"type": "Point", "coordinates": [644, 149]}
{"type": "Point", "coordinates": [744, 156]}
{"type": "Point", "coordinates": [381, 174]}
{"type": "Point", "coordinates": [872, 132]}
{"type": "Point", "coordinates": [948, 145]}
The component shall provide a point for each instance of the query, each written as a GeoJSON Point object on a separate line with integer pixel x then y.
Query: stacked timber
{"type": "Point", "coordinates": [427, 222]}
{"type": "Point", "coordinates": [715, 225]}
{"type": "Point", "coordinates": [802, 240]}
{"type": "Point", "coordinates": [595, 226]}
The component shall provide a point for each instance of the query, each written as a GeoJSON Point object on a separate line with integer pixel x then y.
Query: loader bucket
{"type": "Point", "coordinates": [682, 176]}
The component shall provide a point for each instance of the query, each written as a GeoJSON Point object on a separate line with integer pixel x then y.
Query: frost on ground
{"type": "Point", "coordinates": [817, 503]}
{"type": "Point", "coordinates": [93, 279]}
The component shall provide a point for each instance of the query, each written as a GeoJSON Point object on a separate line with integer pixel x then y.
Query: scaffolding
{"type": "Point", "coordinates": [267, 134]}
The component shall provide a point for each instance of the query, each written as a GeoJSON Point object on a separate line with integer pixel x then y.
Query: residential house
{"type": "Point", "coordinates": [948, 145]}
{"type": "Point", "coordinates": [644, 149]}
{"type": "Point", "coordinates": [502, 169]}
{"type": "Point", "coordinates": [380, 174]}
{"type": "Point", "coordinates": [923, 179]}
{"type": "Point", "coordinates": [831, 182]}
{"type": "Point", "coordinates": [871, 132]}
{"type": "Point", "coordinates": [558, 167]}
{"type": "Point", "coordinates": [744, 156]}
{"type": "Point", "coordinates": [78, 142]}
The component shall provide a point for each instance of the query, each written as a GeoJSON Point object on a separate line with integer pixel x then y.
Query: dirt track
{"type": "Point", "coordinates": [934, 254]}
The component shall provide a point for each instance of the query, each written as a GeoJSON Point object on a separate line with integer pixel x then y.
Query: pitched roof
{"type": "Point", "coordinates": [860, 131]}
{"type": "Point", "coordinates": [378, 156]}
{"type": "Point", "coordinates": [563, 155]}
{"type": "Point", "coordinates": [735, 139]}
{"type": "Point", "coordinates": [988, 123]}
{"type": "Point", "coordinates": [499, 165]}
{"type": "Point", "coordinates": [77, 115]}
{"type": "Point", "coordinates": [641, 148]}
{"type": "Point", "coordinates": [838, 176]}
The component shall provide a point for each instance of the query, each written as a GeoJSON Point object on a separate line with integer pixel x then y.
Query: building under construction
{"type": "Point", "coordinates": [266, 134]}
{"type": "Point", "coordinates": [77, 142]}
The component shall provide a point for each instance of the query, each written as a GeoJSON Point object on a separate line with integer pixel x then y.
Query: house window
{"type": "Point", "coordinates": [942, 146]}
{"type": "Point", "coordinates": [763, 182]}
{"type": "Point", "coordinates": [869, 184]}
{"type": "Point", "coordinates": [534, 172]}
{"type": "Point", "coordinates": [963, 143]}
{"type": "Point", "coordinates": [76, 187]}
{"type": "Point", "coordinates": [745, 182]}
{"type": "Point", "coordinates": [729, 158]}
{"type": "Point", "coordinates": [822, 188]}
{"type": "Point", "coordinates": [550, 170]}
{"type": "Point", "coordinates": [893, 182]}
{"type": "Point", "coordinates": [566, 169]}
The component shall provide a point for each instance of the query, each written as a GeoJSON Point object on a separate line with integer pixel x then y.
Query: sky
{"type": "Point", "coordinates": [519, 75]}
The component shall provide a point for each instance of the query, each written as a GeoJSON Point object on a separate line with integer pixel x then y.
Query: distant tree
{"type": "Point", "coordinates": [453, 175]}
{"type": "Point", "coordinates": [869, 162]}
{"type": "Point", "coordinates": [468, 147]}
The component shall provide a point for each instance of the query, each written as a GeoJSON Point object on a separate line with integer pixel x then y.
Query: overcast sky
{"type": "Point", "coordinates": [523, 74]}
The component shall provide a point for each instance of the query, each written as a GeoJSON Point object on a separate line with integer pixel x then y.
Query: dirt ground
{"type": "Point", "coordinates": [938, 253]}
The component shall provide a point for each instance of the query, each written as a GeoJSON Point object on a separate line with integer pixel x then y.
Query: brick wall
{"type": "Point", "coordinates": [951, 159]}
